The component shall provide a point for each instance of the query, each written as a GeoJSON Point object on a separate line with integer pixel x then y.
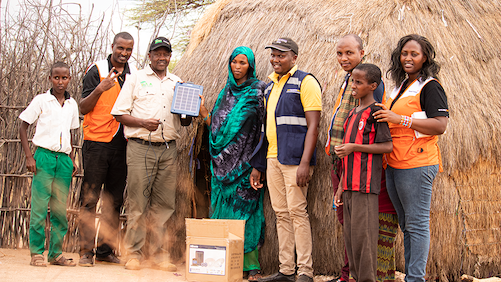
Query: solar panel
{"type": "Point", "coordinates": [186, 100]}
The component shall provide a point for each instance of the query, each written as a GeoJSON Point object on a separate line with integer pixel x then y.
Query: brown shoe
{"type": "Point", "coordinates": [254, 275]}
{"type": "Point", "coordinates": [62, 261]}
{"type": "Point", "coordinates": [87, 260]}
{"type": "Point", "coordinates": [38, 260]}
{"type": "Point", "coordinates": [133, 264]}
{"type": "Point", "coordinates": [109, 259]}
{"type": "Point", "coordinates": [166, 266]}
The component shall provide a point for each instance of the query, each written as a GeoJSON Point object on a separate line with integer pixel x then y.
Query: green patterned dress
{"type": "Point", "coordinates": [233, 136]}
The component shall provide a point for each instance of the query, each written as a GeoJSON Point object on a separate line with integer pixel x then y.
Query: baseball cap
{"type": "Point", "coordinates": [160, 42]}
{"type": "Point", "coordinates": [284, 44]}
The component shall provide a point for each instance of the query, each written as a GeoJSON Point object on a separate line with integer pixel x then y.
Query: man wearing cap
{"type": "Point", "coordinates": [143, 107]}
{"type": "Point", "coordinates": [293, 107]}
{"type": "Point", "coordinates": [103, 153]}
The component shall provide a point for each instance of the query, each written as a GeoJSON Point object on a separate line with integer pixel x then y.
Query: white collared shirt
{"type": "Point", "coordinates": [54, 122]}
{"type": "Point", "coordinates": [144, 95]}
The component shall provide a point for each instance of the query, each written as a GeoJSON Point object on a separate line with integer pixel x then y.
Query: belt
{"type": "Point", "coordinates": [145, 142]}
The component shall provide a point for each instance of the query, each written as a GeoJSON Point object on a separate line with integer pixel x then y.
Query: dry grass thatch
{"type": "Point", "coordinates": [465, 218]}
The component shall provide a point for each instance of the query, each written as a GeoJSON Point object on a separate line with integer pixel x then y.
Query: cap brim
{"type": "Point", "coordinates": [169, 48]}
{"type": "Point", "coordinates": [279, 48]}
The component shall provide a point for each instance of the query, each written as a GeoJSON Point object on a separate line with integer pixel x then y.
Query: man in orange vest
{"type": "Point", "coordinates": [103, 153]}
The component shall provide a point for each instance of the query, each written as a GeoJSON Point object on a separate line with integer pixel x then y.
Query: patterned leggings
{"type": "Point", "coordinates": [388, 226]}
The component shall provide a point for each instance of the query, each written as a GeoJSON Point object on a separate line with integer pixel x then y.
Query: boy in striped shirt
{"type": "Point", "coordinates": [364, 143]}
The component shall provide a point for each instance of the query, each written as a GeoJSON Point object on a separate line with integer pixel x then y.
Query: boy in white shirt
{"type": "Point", "coordinates": [52, 165]}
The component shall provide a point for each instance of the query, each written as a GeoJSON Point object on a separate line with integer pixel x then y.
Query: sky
{"type": "Point", "coordinates": [115, 11]}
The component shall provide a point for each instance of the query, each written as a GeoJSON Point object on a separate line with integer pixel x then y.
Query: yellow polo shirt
{"type": "Point", "coordinates": [311, 98]}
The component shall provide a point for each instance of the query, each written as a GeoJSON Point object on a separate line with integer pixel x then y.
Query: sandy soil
{"type": "Point", "coordinates": [15, 267]}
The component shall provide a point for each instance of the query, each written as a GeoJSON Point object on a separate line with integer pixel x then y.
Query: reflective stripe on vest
{"type": "Point", "coordinates": [287, 120]}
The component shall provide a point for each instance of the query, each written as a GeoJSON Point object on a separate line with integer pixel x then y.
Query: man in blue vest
{"type": "Point", "coordinates": [293, 107]}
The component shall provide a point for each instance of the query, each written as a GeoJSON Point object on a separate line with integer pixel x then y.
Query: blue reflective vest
{"type": "Point", "coordinates": [291, 121]}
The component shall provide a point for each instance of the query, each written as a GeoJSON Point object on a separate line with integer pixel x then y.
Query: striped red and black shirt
{"type": "Point", "coordinates": [362, 171]}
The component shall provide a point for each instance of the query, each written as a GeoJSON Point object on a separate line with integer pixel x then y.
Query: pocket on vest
{"type": "Point", "coordinates": [291, 103]}
{"type": "Point", "coordinates": [293, 144]}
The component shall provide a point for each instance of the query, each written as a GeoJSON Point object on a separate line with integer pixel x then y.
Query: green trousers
{"type": "Point", "coordinates": [49, 188]}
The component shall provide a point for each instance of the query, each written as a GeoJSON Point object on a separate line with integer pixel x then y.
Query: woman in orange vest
{"type": "Point", "coordinates": [416, 112]}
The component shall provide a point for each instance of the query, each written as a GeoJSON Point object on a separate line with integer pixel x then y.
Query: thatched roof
{"type": "Point", "coordinates": [465, 210]}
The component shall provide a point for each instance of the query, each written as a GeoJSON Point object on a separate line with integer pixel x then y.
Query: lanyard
{"type": "Point", "coordinates": [401, 92]}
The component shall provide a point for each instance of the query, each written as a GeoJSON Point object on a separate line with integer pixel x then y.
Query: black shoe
{"type": "Point", "coordinates": [86, 260]}
{"type": "Point", "coordinates": [111, 258]}
{"type": "Point", "coordinates": [277, 277]}
{"type": "Point", "coordinates": [304, 278]}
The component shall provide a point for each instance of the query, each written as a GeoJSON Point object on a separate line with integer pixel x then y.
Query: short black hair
{"type": "Point", "coordinates": [357, 39]}
{"type": "Point", "coordinates": [59, 65]}
{"type": "Point", "coordinates": [372, 72]}
{"type": "Point", "coordinates": [124, 35]}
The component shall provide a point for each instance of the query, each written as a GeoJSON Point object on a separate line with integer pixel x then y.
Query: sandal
{"type": "Point", "coordinates": [61, 260]}
{"type": "Point", "coordinates": [254, 275]}
{"type": "Point", "coordinates": [38, 260]}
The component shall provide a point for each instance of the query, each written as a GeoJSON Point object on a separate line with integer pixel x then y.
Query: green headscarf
{"type": "Point", "coordinates": [245, 95]}
{"type": "Point", "coordinates": [251, 72]}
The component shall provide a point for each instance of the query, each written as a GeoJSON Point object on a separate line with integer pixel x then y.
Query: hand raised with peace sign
{"type": "Point", "coordinates": [109, 81]}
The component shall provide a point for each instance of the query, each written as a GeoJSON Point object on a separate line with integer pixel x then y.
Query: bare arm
{"type": "Point", "coordinates": [338, 197]}
{"type": "Point", "coordinates": [430, 126]}
{"type": "Point", "coordinates": [30, 161]}
{"type": "Point", "coordinates": [310, 141]}
{"type": "Point", "coordinates": [72, 156]}
{"type": "Point", "coordinates": [88, 103]}
{"type": "Point", "coordinates": [128, 120]}
{"type": "Point", "coordinates": [204, 112]}
{"type": "Point", "coordinates": [344, 150]}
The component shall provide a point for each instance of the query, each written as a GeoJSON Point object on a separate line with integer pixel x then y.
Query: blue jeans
{"type": "Point", "coordinates": [410, 193]}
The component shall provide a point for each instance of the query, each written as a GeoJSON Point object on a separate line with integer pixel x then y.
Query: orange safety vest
{"type": "Point", "coordinates": [409, 150]}
{"type": "Point", "coordinates": [99, 124]}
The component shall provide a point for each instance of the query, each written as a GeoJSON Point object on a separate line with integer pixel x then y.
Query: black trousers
{"type": "Point", "coordinates": [102, 165]}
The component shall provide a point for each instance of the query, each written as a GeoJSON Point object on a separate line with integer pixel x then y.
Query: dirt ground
{"type": "Point", "coordinates": [15, 266]}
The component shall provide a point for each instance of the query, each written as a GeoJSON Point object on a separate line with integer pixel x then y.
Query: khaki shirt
{"type": "Point", "coordinates": [144, 95]}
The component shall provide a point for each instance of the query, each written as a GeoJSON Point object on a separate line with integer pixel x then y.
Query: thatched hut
{"type": "Point", "coordinates": [465, 217]}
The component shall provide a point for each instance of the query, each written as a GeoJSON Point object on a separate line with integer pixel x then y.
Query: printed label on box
{"type": "Point", "coordinates": [206, 259]}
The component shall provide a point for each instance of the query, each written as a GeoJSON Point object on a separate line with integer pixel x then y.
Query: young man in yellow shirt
{"type": "Point", "coordinates": [293, 107]}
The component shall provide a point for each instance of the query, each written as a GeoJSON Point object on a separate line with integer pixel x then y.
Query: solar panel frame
{"type": "Point", "coordinates": [186, 100]}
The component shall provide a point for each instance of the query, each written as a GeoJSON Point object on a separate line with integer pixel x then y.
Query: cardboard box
{"type": "Point", "coordinates": [214, 250]}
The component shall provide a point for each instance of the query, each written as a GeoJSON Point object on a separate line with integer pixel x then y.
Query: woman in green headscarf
{"type": "Point", "coordinates": [234, 132]}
